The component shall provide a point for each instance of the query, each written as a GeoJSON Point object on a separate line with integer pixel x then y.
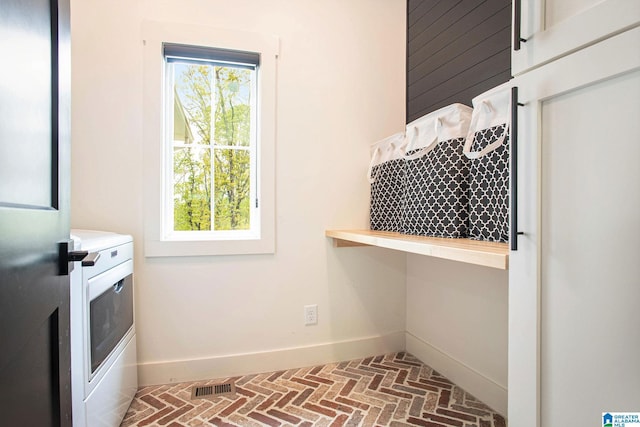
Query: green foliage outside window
{"type": "Point", "coordinates": [199, 193]}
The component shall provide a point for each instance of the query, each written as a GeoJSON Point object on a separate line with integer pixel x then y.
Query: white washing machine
{"type": "Point", "coordinates": [103, 335]}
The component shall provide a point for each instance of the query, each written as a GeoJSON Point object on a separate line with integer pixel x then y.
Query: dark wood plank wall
{"type": "Point", "coordinates": [456, 49]}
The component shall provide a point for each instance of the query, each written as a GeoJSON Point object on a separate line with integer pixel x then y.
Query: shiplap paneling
{"type": "Point", "coordinates": [455, 51]}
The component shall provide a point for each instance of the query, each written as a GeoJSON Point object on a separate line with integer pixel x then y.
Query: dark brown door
{"type": "Point", "coordinates": [35, 386]}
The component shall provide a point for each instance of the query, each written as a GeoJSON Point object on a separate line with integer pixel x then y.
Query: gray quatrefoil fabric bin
{"type": "Point", "coordinates": [387, 179]}
{"type": "Point", "coordinates": [487, 148]}
{"type": "Point", "coordinates": [436, 196]}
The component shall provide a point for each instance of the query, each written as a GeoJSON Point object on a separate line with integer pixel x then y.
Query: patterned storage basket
{"type": "Point", "coordinates": [437, 172]}
{"type": "Point", "coordinates": [487, 147]}
{"type": "Point", "coordinates": [387, 178]}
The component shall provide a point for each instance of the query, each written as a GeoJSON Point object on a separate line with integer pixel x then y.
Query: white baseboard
{"type": "Point", "coordinates": [483, 388]}
{"type": "Point", "coordinates": [267, 361]}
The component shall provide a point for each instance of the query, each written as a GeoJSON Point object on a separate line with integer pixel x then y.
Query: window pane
{"type": "Point", "coordinates": [232, 184]}
{"type": "Point", "coordinates": [232, 106]}
{"type": "Point", "coordinates": [232, 93]}
{"type": "Point", "coordinates": [191, 189]}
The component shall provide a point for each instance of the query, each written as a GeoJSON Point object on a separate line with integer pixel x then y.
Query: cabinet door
{"type": "Point", "coordinates": [574, 282]}
{"type": "Point", "coordinates": [554, 28]}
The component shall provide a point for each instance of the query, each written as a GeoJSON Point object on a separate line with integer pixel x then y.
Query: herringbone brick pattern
{"type": "Point", "coordinates": [390, 390]}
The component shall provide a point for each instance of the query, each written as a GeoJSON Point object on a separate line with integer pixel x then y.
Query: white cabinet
{"type": "Point", "coordinates": [574, 282]}
{"type": "Point", "coordinates": [553, 28]}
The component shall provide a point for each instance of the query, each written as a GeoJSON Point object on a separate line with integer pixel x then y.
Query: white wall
{"type": "Point", "coordinates": [340, 87]}
{"type": "Point", "coordinates": [457, 322]}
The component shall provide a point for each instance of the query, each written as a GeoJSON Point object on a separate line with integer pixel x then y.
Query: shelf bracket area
{"type": "Point", "coordinates": [341, 243]}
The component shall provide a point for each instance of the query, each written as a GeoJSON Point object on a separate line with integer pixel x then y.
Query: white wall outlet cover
{"type": "Point", "coordinates": [311, 314]}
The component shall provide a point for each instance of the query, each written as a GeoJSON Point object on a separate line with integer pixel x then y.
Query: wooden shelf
{"type": "Point", "coordinates": [489, 254]}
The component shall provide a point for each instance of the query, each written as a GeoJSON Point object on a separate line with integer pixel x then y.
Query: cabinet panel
{"type": "Point", "coordinates": [578, 208]}
{"type": "Point", "coordinates": [589, 286]}
{"type": "Point", "coordinates": [555, 28]}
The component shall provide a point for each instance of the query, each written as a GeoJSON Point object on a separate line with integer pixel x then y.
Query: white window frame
{"type": "Point", "coordinates": [158, 241]}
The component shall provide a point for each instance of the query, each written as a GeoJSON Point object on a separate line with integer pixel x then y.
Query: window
{"type": "Point", "coordinates": [209, 141]}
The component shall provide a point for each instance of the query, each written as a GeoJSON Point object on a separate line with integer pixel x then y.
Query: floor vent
{"type": "Point", "coordinates": [212, 391]}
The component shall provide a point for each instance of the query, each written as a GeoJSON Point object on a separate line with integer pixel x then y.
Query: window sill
{"type": "Point", "coordinates": [181, 248]}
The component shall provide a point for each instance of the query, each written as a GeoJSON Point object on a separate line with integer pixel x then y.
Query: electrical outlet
{"type": "Point", "coordinates": [311, 314]}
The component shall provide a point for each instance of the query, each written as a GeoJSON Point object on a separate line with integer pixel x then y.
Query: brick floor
{"type": "Point", "coordinates": [390, 390]}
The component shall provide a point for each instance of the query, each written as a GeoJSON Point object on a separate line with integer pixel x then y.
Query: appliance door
{"type": "Point", "coordinates": [110, 311]}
